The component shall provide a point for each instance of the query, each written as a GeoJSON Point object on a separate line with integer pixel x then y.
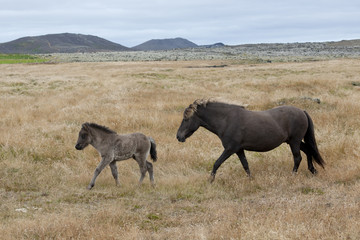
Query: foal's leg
{"type": "Point", "coordinates": [114, 172]}
{"type": "Point", "coordinates": [104, 162]}
{"type": "Point", "coordinates": [305, 148]}
{"type": "Point", "coordinates": [295, 149]}
{"type": "Point", "coordinates": [149, 167]}
{"type": "Point", "coordinates": [141, 160]}
{"type": "Point", "coordinates": [143, 171]}
{"type": "Point", "coordinates": [225, 155]}
{"type": "Point", "coordinates": [241, 155]}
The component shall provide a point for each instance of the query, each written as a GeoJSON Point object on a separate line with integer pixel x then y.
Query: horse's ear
{"type": "Point", "coordinates": [85, 126]}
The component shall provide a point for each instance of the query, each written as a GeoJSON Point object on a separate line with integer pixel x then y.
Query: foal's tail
{"type": "Point", "coordinates": [309, 139]}
{"type": "Point", "coordinates": [153, 153]}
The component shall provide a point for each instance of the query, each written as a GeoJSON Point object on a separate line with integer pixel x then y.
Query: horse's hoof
{"type": "Point", "coordinates": [212, 178]}
{"type": "Point", "coordinates": [90, 187]}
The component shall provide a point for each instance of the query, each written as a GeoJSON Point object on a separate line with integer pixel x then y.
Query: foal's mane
{"type": "Point", "coordinates": [99, 127]}
{"type": "Point", "coordinates": [189, 111]}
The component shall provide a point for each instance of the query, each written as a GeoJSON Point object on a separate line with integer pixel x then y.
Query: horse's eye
{"type": "Point", "coordinates": [83, 136]}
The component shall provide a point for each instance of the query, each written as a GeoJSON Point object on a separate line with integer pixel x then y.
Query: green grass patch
{"type": "Point", "coordinates": [20, 58]}
{"type": "Point", "coordinates": [308, 190]}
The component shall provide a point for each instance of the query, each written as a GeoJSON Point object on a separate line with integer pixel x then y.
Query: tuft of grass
{"type": "Point", "coordinates": [309, 190]}
{"type": "Point", "coordinates": [153, 216]}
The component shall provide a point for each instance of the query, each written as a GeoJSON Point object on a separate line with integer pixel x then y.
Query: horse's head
{"type": "Point", "coordinates": [190, 122]}
{"type": "Point", "coordinates": [84, 138]}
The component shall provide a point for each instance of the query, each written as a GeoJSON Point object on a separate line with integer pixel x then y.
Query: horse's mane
{"type": "Point", "coordinates": [189, 111]}
{"type": "Point", "coordinates": [99, 127]}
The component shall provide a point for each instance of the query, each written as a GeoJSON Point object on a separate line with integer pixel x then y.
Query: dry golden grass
{"type": "Point", "coordinates": [43, 178]}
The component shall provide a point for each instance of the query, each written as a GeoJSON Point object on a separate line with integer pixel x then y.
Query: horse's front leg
{"type": "Point", "coordinates": [225, 155]}
{"type": "Point", "coordinates": [104, 162]}
{"type": "Point", "coordinates": [244, 162]}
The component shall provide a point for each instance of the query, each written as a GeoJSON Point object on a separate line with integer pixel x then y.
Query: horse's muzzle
{"type": "Point", "coordinates": [180, 139]}
{"type": "Point", "coordinates": [78, 147]}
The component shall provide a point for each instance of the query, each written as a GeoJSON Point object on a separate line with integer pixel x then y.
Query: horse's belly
{"type": "Point", "coordinates": [264, 143]}
{"type": "Point", "coordinates": [262, 148]}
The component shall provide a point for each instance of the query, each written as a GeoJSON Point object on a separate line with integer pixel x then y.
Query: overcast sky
{"type": "Point", "coordinates": [232, 22]}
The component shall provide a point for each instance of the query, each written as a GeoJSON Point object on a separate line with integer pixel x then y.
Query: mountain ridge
{"type": "Point", "coordinates": [60, 43]}
{"type": "Point", "coordinates": [80, 43]}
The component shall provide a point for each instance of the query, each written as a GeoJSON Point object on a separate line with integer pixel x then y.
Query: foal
{"type": "Point", "coordinates": [113, 147]}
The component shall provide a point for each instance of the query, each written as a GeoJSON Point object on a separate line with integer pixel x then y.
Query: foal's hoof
{"type": "Point", "coordinates": [90, 187]}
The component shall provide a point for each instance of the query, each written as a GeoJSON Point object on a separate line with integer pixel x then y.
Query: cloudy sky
{"type": "Point", "coordinates": [232, 22]}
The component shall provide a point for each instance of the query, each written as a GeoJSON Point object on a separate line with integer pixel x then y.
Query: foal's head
{"type": "Point", "coordinates": [84, 138]}
{"type": "Point", "coordinates": [190, 122]}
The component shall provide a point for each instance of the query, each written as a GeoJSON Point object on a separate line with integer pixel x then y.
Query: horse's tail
{"type": "Point", "coordinates": [309, 140]}
{"type": "Point", "coordinates": [153, 153]}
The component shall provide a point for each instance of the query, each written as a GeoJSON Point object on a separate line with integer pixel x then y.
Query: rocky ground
{"type": "Point", "coordinates": [287, 52]}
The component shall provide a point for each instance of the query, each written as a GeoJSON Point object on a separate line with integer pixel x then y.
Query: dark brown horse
{"type": "Point", "coordinates": [240, 129]}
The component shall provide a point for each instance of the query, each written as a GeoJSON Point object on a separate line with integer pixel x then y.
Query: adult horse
{"type": "Point", "coordinates": [240, 129]}
{"type": "Point", "coordinates": [114, 147]}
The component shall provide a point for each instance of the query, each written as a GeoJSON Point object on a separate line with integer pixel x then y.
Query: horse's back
{"type": "Point", "coordinates": [265, 130]}
{"type": "Point", "coordinates": [281, 116]}
{"type": "Point", "coordinates": [288, 115]}
{"type": "Point", "coordinates": [291, 119]}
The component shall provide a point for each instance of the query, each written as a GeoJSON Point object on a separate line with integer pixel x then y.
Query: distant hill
{"type": "Point", "coordinates": [165, 44]}
{"type": "Point", "coordinates": [215, 45]}
{"type": "Point", "coordinates": [60, 43]}
{"type": "Point", "coordinates": [345, 43]}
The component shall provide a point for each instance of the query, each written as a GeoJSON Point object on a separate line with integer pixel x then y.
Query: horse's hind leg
{"type": "Point", "coordinates": [149, 167]}
{"type": "Point", "coordinates": [304, 147]}
{"type": "Point", "coordinates": [244, 162]}
{"type": "Point", "coordinates": [295, 149]}
{"type": "Point", "coordinates": [114, 172]}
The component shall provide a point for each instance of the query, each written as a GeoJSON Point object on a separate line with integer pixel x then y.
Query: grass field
{"type": "Point", "coordinates": [43, 179]}
{"type": "Point", "coordinates": [20, 58]}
